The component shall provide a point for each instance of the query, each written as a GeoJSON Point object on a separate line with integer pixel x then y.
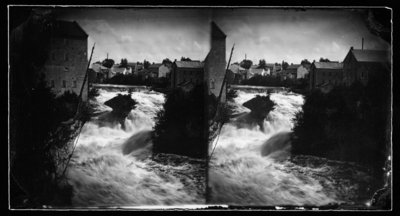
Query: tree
{"type": "Point", "coordinates": [167, 61]}
{"type": "Point", "coordinates": [124, 62]}
{"type": "Point", "coordinates": [146, 64]}
{"type": "Point", "coordinates": [284, 65]}
{"type": "Point", "coordinates": [305, 62]}
{"type": "Point", "coordinates": [246, 64]}
{"type": "Point", "coordinates": [182, 121]}
{"type": "Point", "coordinates": [108, 63]}
{"type": "Point", "coordinates": [185, 59]}
{"type": "Point", "coordinates": [262, 63]}
{"type": "Point", "coordinates": [324, 60]}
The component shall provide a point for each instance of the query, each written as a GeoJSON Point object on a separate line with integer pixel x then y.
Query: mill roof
{"type": "Point", "coordinates": [189, 64]}
{"type": "Point", "coordinates": [328, 65]}
{"type": "Point", "coordinates": [371, 55]}
{"type": "Point", "coordinates": [61, 28]}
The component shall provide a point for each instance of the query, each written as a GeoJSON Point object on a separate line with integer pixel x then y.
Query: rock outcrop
{"type": "Point", "coordinates": [260, 106]}
{"type": "Point", "coordinates": [122, 106]}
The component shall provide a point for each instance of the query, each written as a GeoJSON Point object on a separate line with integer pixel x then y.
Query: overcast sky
{"type": "Point", "coordinates": [270, 34]}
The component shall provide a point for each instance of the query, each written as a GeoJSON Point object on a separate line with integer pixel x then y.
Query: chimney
{"type": "Point", "coordinates": [351, 48]}
{"type": "Point", "coordinates": [362, 44]}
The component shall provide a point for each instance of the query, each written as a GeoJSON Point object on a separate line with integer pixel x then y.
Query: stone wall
{"type": "Point", "coordinates": [215, 65]}
{"type": "Point", "coordinates": [319, 76]}
{"type": "Point", "coordinates": [163, 70]}
{"type": "Point", "coordinates": [66, 64]}
{"type": "Point", "coordinates": [179, 75]}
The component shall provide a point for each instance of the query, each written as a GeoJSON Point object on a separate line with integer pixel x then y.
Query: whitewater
{"type": "Point", "coordinates": [114, 167]}
{"type": "Point", "coordinates": [254, 167]}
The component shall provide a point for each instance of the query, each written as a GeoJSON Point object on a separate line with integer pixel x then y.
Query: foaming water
{"type": "Point", "coordinates": [110, 168]}
{"type": "Point", "coordinates": [246, 169]}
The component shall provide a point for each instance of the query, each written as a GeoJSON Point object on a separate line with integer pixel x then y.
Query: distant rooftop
{"type": "Point", "coordinates": [294, 66]}
{"type": "Point", "coordinates": [189, 64]}
{"type": "Point", "coordinates": [157, 65]}
{"type": "Point", "coordinates": [236, 67]}
{"type": "Point", "coordinates": [253, 66]}
{"type": "Point", "coordinates": [328, 65]}
{"type": "Point", "coordinates": [371, 55]}
{"type": "Point", "coordinates": [63, 28]}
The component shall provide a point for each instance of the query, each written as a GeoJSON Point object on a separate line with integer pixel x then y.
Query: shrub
{"type": "Point", "coordinates": [181, 126]}
{"type": "Point", "coordinates": [348, 123]}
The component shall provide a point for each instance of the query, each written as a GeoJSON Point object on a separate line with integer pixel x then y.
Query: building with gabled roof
{"type": "Point", "coordinates": [290, 72]}
{"type": "Point", "coordinates": [65, 67]}
{"type": "Point", "coordinates": [215, 63]}
{"type": "Point", "coordinates": [360, 63]}
{"type": "Point", "coordinates": [322, 73]}
{"type": "Point", "coordinates": [239, 73]}
{"type": "Point", "coordinates": [211, 71]}
{"type": "Point", "coordinates": [183, 71]}
{"type": "Point", "coordinates": [302, 71]}
{"type": "Point", "coordinates": [67, 29]}
{"type": "Point", "coordinates": [153, 69]}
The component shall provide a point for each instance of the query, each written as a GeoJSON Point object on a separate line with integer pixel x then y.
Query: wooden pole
{"type": "Point", "coordinates": [86, 74]}
{"type": "Point", "coordinates": [226, 70]}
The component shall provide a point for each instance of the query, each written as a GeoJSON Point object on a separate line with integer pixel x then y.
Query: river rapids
{"type": "Point", "coordinates": [252, 167]}
{"type": "Point", "coordinates": [112, 167]}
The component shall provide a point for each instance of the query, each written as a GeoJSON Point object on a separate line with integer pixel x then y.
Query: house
{"type": "Point", "coordinates": [269, 68]}
{"type": "Point", "coordinates": [183, 71]}
{"type": "Point", "coordinates": [359, 64]}
{"type": "Point", "coordinates": [215, 64]}
{"type": "Point", "coordinates": [235, 68]}
{"type": "Point", "coordinates": [290, 72]}
{"type": "Point", "coordinates": [325, 72]}
{"type": "Point", "coordinates": [303, 71]}
{"type": "Point", "coordinates": [238, 72]}
{"type": "Point", "coordinates": [118, 69]}
{"type": "Point", "coordinates": [256, 71]}
{"type": "Point", "coordinates": [95, 77]}
{"type": "Point", "coordinates": [164, 70]}
{"type": "Point", "coordinates": [65, 68]}
{"type": "Point", "coordinates": [211, 71]}
{"type": "Point", "coordinates": [276, 70]}
{"type": "Point", "coordinates": [154, 70]}
{"type": "Point", "coordinates": [132, 68]}
{"type": "Point", "coordinates": [102, 72]}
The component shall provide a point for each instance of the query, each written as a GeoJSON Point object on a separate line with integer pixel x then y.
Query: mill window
{"type": "Point", "coordinates": [64, 84]}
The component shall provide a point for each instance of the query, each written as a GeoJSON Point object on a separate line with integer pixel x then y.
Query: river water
{"type": "Point", "coordinates": [245, 169]}
{"type": "Point", "coordinates": [113, 167]}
